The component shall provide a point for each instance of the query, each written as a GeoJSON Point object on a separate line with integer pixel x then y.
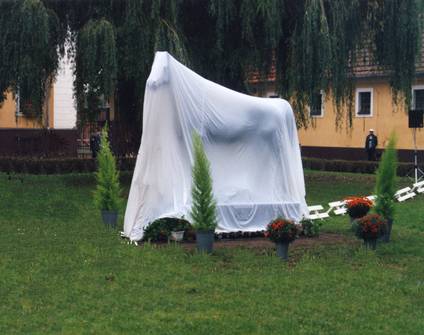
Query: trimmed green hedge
{"type": "Point", "coordinates": [350, 166]}
{"type": "Point", "coordinates": [79, 165]}
{"type": "Point", "coordinates": [56, 165]}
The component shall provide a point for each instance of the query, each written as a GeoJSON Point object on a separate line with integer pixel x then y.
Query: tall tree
{"type": "Point", "coordinates": [312, 43]}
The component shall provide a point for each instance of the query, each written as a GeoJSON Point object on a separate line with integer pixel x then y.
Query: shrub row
{"type": "Point", "coordinates": [350, 166]}
{"type": "Point", "coordinates": [79, 165]}
{"type": "Point", "coordinates": [160, 231]}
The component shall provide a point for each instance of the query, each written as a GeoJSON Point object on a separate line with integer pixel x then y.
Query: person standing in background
{"type": "Point", "coordinates": [95, 143]}
{"type": "Point", "coordinates": [371, 143]}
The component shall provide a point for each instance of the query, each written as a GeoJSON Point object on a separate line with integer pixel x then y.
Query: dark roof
{"type": "Point", "coordinates": [365, 67]}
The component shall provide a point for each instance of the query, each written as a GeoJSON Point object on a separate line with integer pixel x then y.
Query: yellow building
{"type": "Point", "coordinates": [53, 134]}
{"type": "Point", "coordinates": [12, 118]}
{"type": "Point", "coordinates": [373, 109]}
{"type": "Point", "coordinates": [59, 110]}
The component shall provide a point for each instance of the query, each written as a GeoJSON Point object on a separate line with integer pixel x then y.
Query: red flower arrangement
{"type": "Point", "coordinates": [281, 230]}
{"type": "Point", "coordinates": [370, 227]}
{"type": "Point", "coordinates": [357, 207]}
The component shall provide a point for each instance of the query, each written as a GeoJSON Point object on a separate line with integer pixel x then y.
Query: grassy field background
{"type": "Point", "coordinates": [62, 272]}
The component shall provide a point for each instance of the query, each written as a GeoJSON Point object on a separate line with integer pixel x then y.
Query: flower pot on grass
{"type": "Point", "coordinates": [369, 228]}
{"type": "Point", "coordinates": [282, 250]}
{"type": "Point", "coordinates": [204, 241]}
{"type": "Point", "coordinates": [177, 236]}
{"type": "Point", "coordinates": [370, 243]}
{"type": "Point", "coordinates": [282, 232]}
{"type": "Point", "coordinates": [357, 207]}
{"type": "Point", "coordinates": [110, 218]}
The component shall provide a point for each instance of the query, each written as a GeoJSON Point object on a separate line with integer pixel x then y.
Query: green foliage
{"type": "Point", "coordinates": [96, 66]}
{"type": "Point", "coordinates": [107, 194]}
{"type": "Point", "coordinates": [203, 210]}
{"type": "Point", "coordinates": [396, 39]}
{"type": "Point", "coordinates": [160, 230]}
{"type": "Point", "coordinates": [29, 51]}
{"type": "Point", "coordinates": [358, 207]}
{"type": "Point", "coordinates": [311, 228]}
{"type": "Point", "coordinates": [370, 226]}
{"type": "Point", "coordinates": [313, 44]}
{"type": "Point", "coordinates": [281, 230]}
{"type": "Point", "coordinates": [71, 266]}
{"type": "Point", "coordinates": [386, 180]}
{"type": "Point", "coordinates": [325, 43]}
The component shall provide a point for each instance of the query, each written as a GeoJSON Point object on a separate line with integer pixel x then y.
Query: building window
{"type": "Point", "coordinates": [364, 102]}
{"type": "Point", "coordinates": [18, 111]}
{"type": "Point", "coordinates": [418, 97]}
{"type": "Point", "coordinates": [317, 108]}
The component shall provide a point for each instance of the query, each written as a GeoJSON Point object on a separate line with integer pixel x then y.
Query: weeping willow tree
{"type": "Point", "coordinates": [312, 44]}
{"type": "Point", "coordinates": [29, 50]}
{"type": "Point", "coordinates": [96, 66]}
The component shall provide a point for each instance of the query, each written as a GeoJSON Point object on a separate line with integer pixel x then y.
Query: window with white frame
{"type": "Point", "coordinates": [317, 106]}
{"type": "Point", "coordinates": [364, 102]}
{"type": "Point", "coordinates": [418, 97]}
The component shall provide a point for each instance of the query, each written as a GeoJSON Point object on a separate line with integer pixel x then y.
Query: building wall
{"type": "Point", "coordinates": [8, 118]}
{"type": "Point", "coordinates": [65, 114]}
{"type": "Point", "coordinates": [59, 110]}
{"type": "Point", "coordinates": [386, 118]}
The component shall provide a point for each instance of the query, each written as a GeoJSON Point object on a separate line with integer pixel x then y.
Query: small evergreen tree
{"type": "Point", "coordinates": [106, 196]}
{"type": "Point", "coordinates": [203, 210]}
{"type": "Point", "coordinates": [386, 183]}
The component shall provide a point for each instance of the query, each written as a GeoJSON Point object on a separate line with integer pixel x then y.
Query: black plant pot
{"type": "Point", "coordinates": [204, 241]}
{"type": "Point", "coordinates": [386, 237]}
{"type": "Point", "coordinates": [370, 243]}
{"type": "Point", "coordinates": [283, 250]}
{"type": "Point", "coordinates": [110, 218]}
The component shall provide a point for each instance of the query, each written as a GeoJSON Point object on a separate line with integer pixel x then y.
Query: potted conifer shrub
{"type": "Point", "coordinates": [107, 193]}
{"type": "Point", "coordinates": [386, 184]}
{"type": "Point", "coordinates": [203, 210]}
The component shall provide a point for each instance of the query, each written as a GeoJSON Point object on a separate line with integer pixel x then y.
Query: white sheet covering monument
{"type": "Point", "coordinates": [251, 143]}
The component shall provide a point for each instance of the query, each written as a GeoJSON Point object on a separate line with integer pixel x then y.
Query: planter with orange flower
{"type": "Point", "coordinates": [282, 232]}
{"type": "Point", "coordinates": [369, 228]}
{"type": "Point", "coordinates": [358, 207]}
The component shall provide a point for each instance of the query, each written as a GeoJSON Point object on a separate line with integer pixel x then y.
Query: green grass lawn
{"type": "Point", "coordinates": [62, 272]}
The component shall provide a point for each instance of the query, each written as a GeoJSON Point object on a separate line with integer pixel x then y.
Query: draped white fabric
{"type": "Point", "coordinates": [251, 142]}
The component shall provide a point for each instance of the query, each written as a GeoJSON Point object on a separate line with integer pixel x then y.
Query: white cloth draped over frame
{"type": "Point", "coordinates": [251, 143]}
